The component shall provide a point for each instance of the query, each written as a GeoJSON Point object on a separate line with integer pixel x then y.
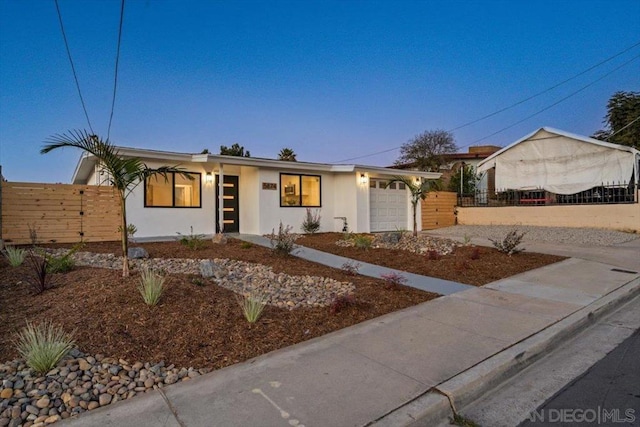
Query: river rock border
{"type": "Point", "coordinates": [80, 383]}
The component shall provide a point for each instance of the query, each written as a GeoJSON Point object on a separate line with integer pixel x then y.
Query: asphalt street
{"type": "Point", "coordinates": [607, 394]}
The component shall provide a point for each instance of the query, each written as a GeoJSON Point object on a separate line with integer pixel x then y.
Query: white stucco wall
{"type": "Point", "coordinates": [155, 222]}
{"type": "Point", "coordinates": [345, 190]}
{"type": "Point", "coordinates": [271, 213]}
{"type": "Point", "coordinates": [249, 195]}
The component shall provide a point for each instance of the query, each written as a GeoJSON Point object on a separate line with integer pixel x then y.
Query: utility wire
{"type": "Point", "coordinates": [73, 68]}
{"type": "Point", "coordinates": [554, 104]}
{"type": "Point", "coordinates": [546, 90]}
{"type": "Point", "coordinates": [115, 78]}
{"type": "Point", "coordinates": [517, 103]}
{"type": "Point", "coordinates": [623, 128]}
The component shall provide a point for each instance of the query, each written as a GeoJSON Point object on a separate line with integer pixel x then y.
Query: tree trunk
{"type": "Point", "coordinates": [124, 237]}
{"type": "Point", "coordinates": [415, 223]}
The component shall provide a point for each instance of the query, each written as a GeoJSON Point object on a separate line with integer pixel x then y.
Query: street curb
{"type": "Point", "coordinates": [432, 407]}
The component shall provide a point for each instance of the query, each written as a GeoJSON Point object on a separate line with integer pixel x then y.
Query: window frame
{"type": "Point", "coordinates": [173, 192]}
{"type": "Point", "coordinates": [300, 175]}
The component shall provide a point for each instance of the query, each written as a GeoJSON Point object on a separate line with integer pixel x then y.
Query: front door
{"type": "Point", "coordinates": [230, 204]}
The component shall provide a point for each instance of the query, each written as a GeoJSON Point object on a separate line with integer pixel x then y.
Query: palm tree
{"type": "Point", "coordinates": [124, 174]}
{"type": "Point", "coordinates": [418, 190]}
{"type": "Point", "coordinates": [287, 154]}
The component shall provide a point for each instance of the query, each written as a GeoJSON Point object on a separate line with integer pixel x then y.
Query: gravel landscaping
{"type": "Point", "coordinates": [244, 278]}
{"type": "Point", "coordinates": [125, 348]}
{"type": "Point", "coordinates": [129, 348]}
{"type": "Point", "coordinates": [564, 235]}
{"type": "Point", "coordinates": [80, 383]}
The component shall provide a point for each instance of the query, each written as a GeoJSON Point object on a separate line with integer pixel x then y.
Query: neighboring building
{"type": "Point", "coordinates": [453, 162]}
{"type": "Point", "coordinates": [562, 163]}
{"type": "Point", "coordinates": [476, 154]}
{"type": "Point", "coordinates": [252, 195]}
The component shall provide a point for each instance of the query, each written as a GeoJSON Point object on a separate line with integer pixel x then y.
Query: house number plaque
{"type": "Point", "coordinates": [269, 186]}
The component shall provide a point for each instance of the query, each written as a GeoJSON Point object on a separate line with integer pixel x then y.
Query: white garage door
{"type": "Point", "coordinates": [388, 206]}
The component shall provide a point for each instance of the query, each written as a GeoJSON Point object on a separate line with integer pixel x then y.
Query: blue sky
{"type": "Point", "coordinates": [333, 79]}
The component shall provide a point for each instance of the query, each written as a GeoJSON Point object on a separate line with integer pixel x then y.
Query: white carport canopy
{"type": "Point", "coordinates": [561, 163]}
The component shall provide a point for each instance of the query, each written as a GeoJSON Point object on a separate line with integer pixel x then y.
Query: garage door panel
{"type": "Point", "coordinates": [388, 208]}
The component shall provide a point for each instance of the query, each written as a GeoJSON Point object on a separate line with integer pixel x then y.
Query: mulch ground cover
{"type": "Point", "coordinates": [198, 326]}
{"type": "Point", "coordinates": [472, 265]}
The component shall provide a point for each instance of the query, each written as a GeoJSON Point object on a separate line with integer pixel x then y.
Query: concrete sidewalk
{"type": "Point", "coordinates": [391, 370]}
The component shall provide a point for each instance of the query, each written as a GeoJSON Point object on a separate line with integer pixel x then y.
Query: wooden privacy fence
{"type": "Point", "coordinates": [61, 213]}
{"type": "Point", "coordinates": [438, 210]}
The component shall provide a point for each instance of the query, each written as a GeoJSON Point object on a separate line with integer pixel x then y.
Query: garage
{"type": "Point", "coordinates": [388, 207]}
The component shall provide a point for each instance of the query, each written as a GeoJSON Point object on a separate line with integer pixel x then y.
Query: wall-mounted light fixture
{"type": "Point", "coordinates": [208, 178]}
{"type": "Point", "coordinates": [363, 179]}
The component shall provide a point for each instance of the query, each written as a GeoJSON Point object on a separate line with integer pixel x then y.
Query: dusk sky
{"type": "Point", "coordinates": [333, 80]}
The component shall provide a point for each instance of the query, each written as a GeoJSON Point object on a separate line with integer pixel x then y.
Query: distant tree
{"type": "Point", "coordinates": [287, 154]}
{"type": "Point", "coordinates": [205, 151]}
{"type": "Point", "coordinates": [234, 150]}
{"type": "Point", "coordinates": [426, 150]}
{"type": "Point", "coordinates": [469, 177]}
{"type": "Point", "coordinates": [622, 121]}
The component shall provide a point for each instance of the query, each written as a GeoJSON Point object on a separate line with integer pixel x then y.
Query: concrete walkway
{"type": "Point", "coordinates": [429, 284]}
{"type": "Point", "coordinates": [392, 370]}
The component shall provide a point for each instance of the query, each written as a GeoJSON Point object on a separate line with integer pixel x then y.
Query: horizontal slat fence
{"type": "Point", "coordinates": [438, 210]}
{"type": "Point", "coordinates": [60, 213]}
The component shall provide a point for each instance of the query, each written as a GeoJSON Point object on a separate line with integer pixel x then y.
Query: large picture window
{"type": "Point", "coordinates": [176, 191]}
{"type": "Point", "coordinates": [299, 190]}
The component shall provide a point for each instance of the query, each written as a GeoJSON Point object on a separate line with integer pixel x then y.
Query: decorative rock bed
{"type": "Point", "coordinates": [244, 278]}
{"type": "Point", "coordinates": [404, 241]}
{"type": "Point", "coordinates": [80, 383]}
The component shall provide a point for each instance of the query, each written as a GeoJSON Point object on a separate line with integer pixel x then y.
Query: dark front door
{"type": "Point", "coordinates": [230, 204]}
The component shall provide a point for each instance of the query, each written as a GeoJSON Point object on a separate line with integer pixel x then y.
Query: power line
{"type": "Point", "coordinates": [554, 104]}
{"type": "Point", "coordinates": [546, 90]}
{"type": "Point", "coordinates": [623, 128]}
{"type": "Point", "coordinates": [115, 78]}
{"type": "Point", "coordinates": [517, 103]}
{"type": "Point", "coordinates": [73, 68]}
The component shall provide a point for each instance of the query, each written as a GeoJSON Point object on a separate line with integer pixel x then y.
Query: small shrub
{"type": "Point", "coordinates": [475, 254]}
{"type": "Point", "coordinates": [283, 242]}
{"type": "Point", "coordinates": [252, 306]}
{"type": "Point", "coordinates": [64, 263]}
{"type": "Point", "coordinates": [433, 255]}
{"type": "Point", "coordinates": [14, 255]}
{"type": "Point", "coordinates": [467, 240]}
{"type": "Point", "coordinates": [393, 280]}
{"type": "Point", "coordinates": [340, 302]}
{"type": "Point", "coordinates": [509, 244]}
{"type": "Point", "coordinates": [43, 345]}
{"type": "Point", "coordinates": [197, 280]}
{"type": "Point", "coordinates": [38, 276]}
{"type": "Point", "coordinates": [246, 245]}
{"type": "Point", "coordinates": [351, 268]}
{"type": "Point", "coordinates": [131, 230]}
{"type": "Point", "coordinates": [151, 287]}
{"type": "Point", "coordinates": [311, 223]}
{"type": "Point", "coordinates": [192, 241]}
{"type": "Point", "coordinates": [361, 241]}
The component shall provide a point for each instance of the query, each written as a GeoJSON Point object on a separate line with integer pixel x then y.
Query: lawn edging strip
{"type": "Point", "coordinates": [433, 407]}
